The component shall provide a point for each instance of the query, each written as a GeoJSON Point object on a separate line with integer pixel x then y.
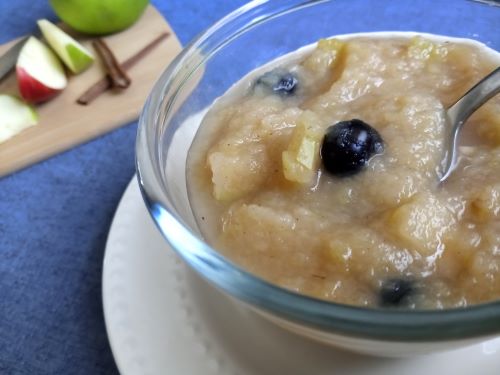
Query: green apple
{"type": "Point", "coordinates": [99, 16]}
{"type": "Point", "coordinates": [15, 116]}
{"type": "Point", "coordinates": [75, 56]}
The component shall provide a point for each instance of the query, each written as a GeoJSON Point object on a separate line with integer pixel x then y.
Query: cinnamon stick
{"type": "Point", "coordinates": [115, 71]}
{"type": "Point", "coordinates": [105, 83]}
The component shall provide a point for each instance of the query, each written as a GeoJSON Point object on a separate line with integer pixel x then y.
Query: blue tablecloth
{"type": "Point", "coordinates": [54, 219]}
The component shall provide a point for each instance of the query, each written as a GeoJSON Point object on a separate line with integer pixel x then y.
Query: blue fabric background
{"type": "Point", "coordinates": [54, 219]}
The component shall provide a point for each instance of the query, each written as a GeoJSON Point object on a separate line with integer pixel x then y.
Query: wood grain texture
{"type": "Point", "coordinates": [64, 123]}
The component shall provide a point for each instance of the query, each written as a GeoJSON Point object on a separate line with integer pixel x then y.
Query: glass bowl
{"type": "Point", "coordinates": [242, 41]}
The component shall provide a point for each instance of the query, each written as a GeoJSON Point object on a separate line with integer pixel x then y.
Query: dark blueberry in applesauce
{"type": "Point", "coordinates": [279, 81]}
{"type": "Point", "coordinates": [348, 145]}
{"type": "Point", "coordinates": [395, 292]}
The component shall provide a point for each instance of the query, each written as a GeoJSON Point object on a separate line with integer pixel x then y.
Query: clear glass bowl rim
{"type": "Point", "coordinates": [392, 325]}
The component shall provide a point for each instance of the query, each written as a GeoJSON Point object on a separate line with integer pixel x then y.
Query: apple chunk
{"type": "Point", "coordinates": [75, 56]}
{"type": "Point", "coordinates": [15, 116]}
{"type": "Point", "coordinates": [40, 74]}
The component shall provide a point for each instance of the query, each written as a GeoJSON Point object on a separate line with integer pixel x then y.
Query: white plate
{"type": "Point", "coordinates": [161, 318]}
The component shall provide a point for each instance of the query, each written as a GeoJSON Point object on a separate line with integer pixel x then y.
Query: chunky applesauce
{"type": "Point", "coordinates": [319, 173]}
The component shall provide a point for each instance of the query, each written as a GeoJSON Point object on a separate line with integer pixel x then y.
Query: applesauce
{"type": "Point", "coordinates": [377, 230]}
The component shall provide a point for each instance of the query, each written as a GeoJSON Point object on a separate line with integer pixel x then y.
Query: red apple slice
{"type": "Point", "coordinates": [40, 74]}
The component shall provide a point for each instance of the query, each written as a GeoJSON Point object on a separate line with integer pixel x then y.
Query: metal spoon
{"type": "Point", "coordinates": [459, 112]}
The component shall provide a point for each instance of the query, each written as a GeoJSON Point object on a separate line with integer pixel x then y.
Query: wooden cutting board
{"type": "Point", "coordinates": [63, 123]}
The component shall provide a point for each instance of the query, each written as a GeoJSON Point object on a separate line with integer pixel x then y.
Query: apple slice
{"type": "Point", "coordinates": [15, 116]}
{"type": "Point", "coordinates": [75, 56]}
{"type": "Point", "coordinates": [40, 74]}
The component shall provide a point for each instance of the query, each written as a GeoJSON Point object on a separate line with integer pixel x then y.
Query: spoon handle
{"type": "Point", "coordinates": [459, 112]}
{"type": "Point", "coordinates": [484, 90]}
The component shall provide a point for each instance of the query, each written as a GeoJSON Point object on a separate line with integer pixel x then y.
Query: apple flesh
{"type": "Point", "coordinates": [40, 75]}
{"type": "Point", "coordinates": [15, 116]}
{"type": "Point", "coordinates": [75, 56]}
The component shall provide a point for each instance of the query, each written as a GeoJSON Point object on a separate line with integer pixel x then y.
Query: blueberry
{"type": "Point", "coordinates": [286, 84]}
{"type": "Point", "coordinates": [348, 145]}
{"type": "Point", "coordinates": [278, 81]}
{"type": "Point", "coordinates": [395, 292]}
